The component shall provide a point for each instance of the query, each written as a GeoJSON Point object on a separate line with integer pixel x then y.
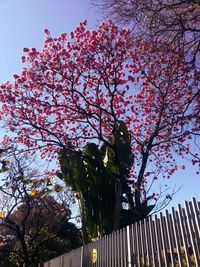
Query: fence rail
{"type": "Point", "coordinates": [170, 239]}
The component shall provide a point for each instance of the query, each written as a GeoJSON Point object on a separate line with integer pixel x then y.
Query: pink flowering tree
{"type": "Point", "coordinates": [77, 90]}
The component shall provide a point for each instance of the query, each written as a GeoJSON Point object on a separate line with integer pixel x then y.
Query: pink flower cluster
{"type": "Point", "coordinates": [74, 90]}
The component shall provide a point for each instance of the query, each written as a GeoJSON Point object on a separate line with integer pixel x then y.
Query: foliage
{"type": "Point", "coordinates": [36, 227]}
{"type": "Point", "coordinates": [71, 96]}
{"type": "Point", "coordinates": [175, 21]}
{"type": "Point", "coordinates": [43, 225]}
{"type": "Point", "coordinates": [100, 182]}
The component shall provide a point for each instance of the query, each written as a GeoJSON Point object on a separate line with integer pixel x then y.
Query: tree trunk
{"type": "Point", "coordinates": [117, 212]}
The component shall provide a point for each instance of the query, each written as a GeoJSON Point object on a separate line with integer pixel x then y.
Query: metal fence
{"type": "Point", "coordinates": [169, 239]}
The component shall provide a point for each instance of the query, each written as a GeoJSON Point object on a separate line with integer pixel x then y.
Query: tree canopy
{"type": "Point", "coordinates": [175, 21]}
{"type": "Point", "coordinates": [99, 88]}
{"type": "Point", "coordinates": [36, 226]}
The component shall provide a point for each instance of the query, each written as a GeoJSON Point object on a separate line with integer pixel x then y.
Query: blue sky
{"type": "Point", "coordinates": [21, 25]}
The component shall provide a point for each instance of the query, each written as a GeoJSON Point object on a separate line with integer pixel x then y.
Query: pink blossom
{"type": "Point", "coordinates": [46, 31]}
{"type": "Point", "coordinates": [73, 91]}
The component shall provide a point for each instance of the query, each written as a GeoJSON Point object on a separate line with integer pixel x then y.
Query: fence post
{"type": "Point", "coordinates": [128, 246]}
{"type": "Point", "coordinates": [82, 256]}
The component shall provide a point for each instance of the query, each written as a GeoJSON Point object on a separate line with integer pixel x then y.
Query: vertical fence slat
{"type": "Point", "coordinates": [97, 246]}
{"type": "Point", "coordinates": [102, 247]}
{"type": "Point", "coordinates": [186, 227]}
{"type": "Point", "coordinates": [137, 244]}
{"type": "Point", "coordinates": [133, 244]}
{"type": "Point", "coordinates": [125, 248]}
{"type": "Point", "coordinates": [195, 229]}
{"type": "Point", "coordinates": [128, 246]}
{"type": "Point", "coordinates": [173, 241]}
{"type": "Point", "coordinates": [146, 236]}
{"type": "Point", "coordinates": [162, 228]}
{"type": "Point", "coordinates": [176, 226]}
{"type": "Point", "coordinates": [169, 236]}
{"type": "Point", "coordinates": [152, 236]}
{"type": "Point", "coordinates": [81, 257]}
{"type": "Point", "coordinates": [121, 248]}
{"type": "Point", "coordinates": [118, 248]}
{"type": "Point", "coordinates": [183, 233]}
{"type": "Point", "coordinates": [115, 248]}
{"type": "Point", "coordinates": [190, 217]}
{"type": "Point", "coordinates": [157, 234]}
{"type": "Point", "coordinates": [107, 256]}
{"type": "Point", "coordinates": [110, 250]}
{"type": "Point", "coordinates": [113, 262]}
{"type": "Point", "coordinates": [104, 251]}
{"type": "Point", "coordinates": [197, 214]}
{"type": "Point", "coordinates": [141, 227]}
